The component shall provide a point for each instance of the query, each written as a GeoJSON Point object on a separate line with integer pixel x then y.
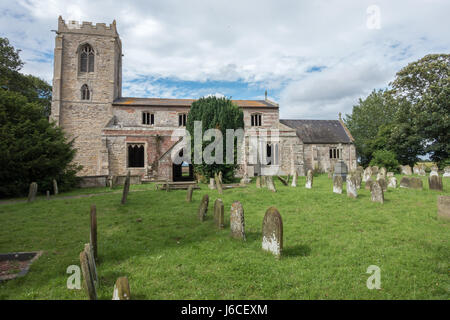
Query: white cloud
{"type": "Point", "coordinates": [267, 44]}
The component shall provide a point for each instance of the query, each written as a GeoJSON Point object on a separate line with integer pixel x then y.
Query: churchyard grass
{"type": "Point", "coordinates": [329, 242]}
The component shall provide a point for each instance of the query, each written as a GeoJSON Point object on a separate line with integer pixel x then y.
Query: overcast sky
{"type": "Point", "coordinates": [315, 58]}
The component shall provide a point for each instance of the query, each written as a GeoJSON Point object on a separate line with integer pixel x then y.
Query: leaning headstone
{"type": "Point", "coordinates": [376, 191]}
{"type": "Point", "coordinates": [126, 188]}
{"type": "Point", "coordinates": [283, 181]}
{"type": "Point", "coordinates": [294, 179]}
{"type": "Point", "coordinates": [212, 184]}
{"type": "Point", "coordinates": [435, 183]}
{"type": "Point", "coordinates": [32, 192]}
{"type": "Point", "coordinates": [406, 170]}
{"type": "Point", "coordinates": [272, 232]}
{"type": "Point", "coordinates": [309, 180]}
{"type": "Point", "coordinates": [446, 172]}
{"type": "Point", "coordinates": [88, 276]}
{"type": "Point", "coordinates": [219, 214]}
{"type": "Point", "coordinates": [203, 209]}
{"type": "Point", "coordinates": [93, 234]}
{"type": "Point", "coordinates": [351, 187]}
{"type": "Point", "coordinates": [434, 171]}
{"type": "Point", "coordinates": [121, 289]}
{"type": "Point", "coordinates": [55, 187]}
{"type": "Point", "coordinates": [218, 183]}
{"type": "Point", "coordinates": [91, 260]}
{"type": "Point", "coordinates": [189, 194]}
{"type": "Point", "coordinates": [392, 182]}
{"type": "Point", "coordinates": [237, 224]}
{"type": "Point", "coordinates": [411, 182]}
{"type": "Point", "coordinates": [258, 182]}
{"type": "Point", "coordinates": [383, 184]}
{"type": "Point", "coordinates": [367, 174]}
{"type": "Point", "coordinates": [270, 184]}
{"type": "Point", "coordinates": [368, 184]}
{"type": "Point", "coordinates": [443, 205]}
{"type": "Point", "coordinates": [337, 184]}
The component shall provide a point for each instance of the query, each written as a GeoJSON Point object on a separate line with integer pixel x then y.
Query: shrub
{"type": "Point", "coordinates": [385, 158]}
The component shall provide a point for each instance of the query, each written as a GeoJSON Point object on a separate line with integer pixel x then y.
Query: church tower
{"type": "Point", "coordinates": [87, 78]}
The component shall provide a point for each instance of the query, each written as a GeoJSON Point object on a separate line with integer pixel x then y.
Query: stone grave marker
{"type": "Point", "coordinates": [443, 205]}
{"type": "Point", "coordinates": [435, 183]}
{"type": "Point", "coordinates": [309, 180]}
{"type": "Point", "coordinates": [55, 187]}
{"type": "Point", "coordinates": [218, 183]}
{"type": "Point", "coordinates": [411, 183]}
{"type": "Point", "coordinates": [351, 187]}
{"type": "Point", "coordinates": [392, 182]}
{"type": "Point", "coordinates": [126, 188]}
{"type": "Point", "coordinates": [368, 184]}
{"type": "Point", "coordinates": [406, 170]}
{"type": "Point", "coordinates": [263, 181]}
{"type": "Point", "coordinates": [434, 171]}
{"type": "Point", "coordinates": [219, 213]}
{"type": "Point", "coordinates": [340, 169]}
{"type": "Point", "coordinates": [272, 232]}
{"type": "Point", "coordinates": [89, 283]}
{"type": "Point", "coordinates": [189, 194]}
{"type": "Point", "coordinates": [237, 224]}
{"type": "Point", "coordinates": [93, 234]}
{"type": "Point", "coordinates": [91, 260]}
{"type": "Point", "coordinates": [48, 194]}
{"type": "Point", "coordinates": [358, 179]}
{"type": "Point", "coordinates": [446, 172]}
{"type": "Point", "coordinates": [258, 182]}
{"type": "Point", "coordinates": [203, 209]}
{"type": "Point", "coordinates": [383, 184]}
{"type": "Point", "coordinates": [376, 191]}
{"type": "Point", "coordinates": [383, 171]}
{"type": "Point", "coordinates": [422, 170]}
{"type": "Point", "coordinates": [122, 289]}
{"type": "Point", "coordinates": [212, 184]}
{"type": "Point", "coordinates": [270, 184]}
{"type": "Point", "coordinates": [367, 174]}
{"type": "Point", "coordinates": [416, 169]}
{"type": "Point", "coordinates": [375, 170]}
{"type": "Point", "coordinates": [337, 184]}
{"type": "Point", "coordinates": [32, 192]}
{"type": "Point", "coordinates": [389, 174]}
{"type": "Point", "coordinates": [294, 179]}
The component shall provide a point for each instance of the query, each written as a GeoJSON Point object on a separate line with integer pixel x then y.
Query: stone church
{"type": "Point", "coordinates": [115, 134]}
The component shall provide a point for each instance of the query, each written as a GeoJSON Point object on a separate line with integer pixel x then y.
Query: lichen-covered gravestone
{"type": "Point", "coordinates": [382, 182]}
{"type": "Point", "coordinates": [411, 183]}
{"type": "Point", "coordinates": [126, 188]}
{"type": "Point", "coordinates": [189, 194]}
{"type": "Point", "coordinates": [375, 170]}
{"type": "Point", "coordinates": [367, 174]}
{"type": "Point", "coordinates": [422, 170]}
{"type": "Point", "coordinates": [91, 260]}
{"type": "Point", "coordinates": [220, 177]}
{"type": "Point", "coordinates": [219, 213]}
{"type": "Point", "coordinates": [337, 184]}
{"type": "Point", "coordinates": [218, 183]}
{"type": "Point", "coordinates": [258, 182]}
{"type": "Point", "coordinates": [32, 191]}
{"type": "Point", "coordinates": [446, 172]}
{"type": "Point", "coordinates": [416, 169]}
{"type": "Point", "coordinates": [237, 224]}
{"type": "Point", "coordinates": [435, 183]}
{"type": "Point", "coordinates": [272, 232]}
{"type": "Point", "coordinates": [368, 184]}
{"type": "Point", "coordinates": [406, 170]}
{"type": "Point", "coordinates": [392, 182]}
{"type": "Point", "coordinates": [383, 171]}
{"type": "Point", "coordinates": [263, 181]}
{"type": "Point", "coordinates": [203, 209]}
{"type": "Point", "coordinates": [434, 171]}
{"type": "Point", "coordinates": [294, 179]}
{"type": "Point", "coordinates": [122, 289]}
{"type": "Point", "coordinates": [309, 180]}
{"type": "Point", "coordinates": [443, 205]}
{"type": "Point", "coordinates": [376, 191]}
{"type": "Point", "coordinates": [358, 179]}
{"type": "Point", "coordinates": [93, 234]}
{"type": "Point", "coordinates": [270, 184]}
{"type": "Point", "coordinates": [89, 283]}
{"type": "Point", "coordinates": [212, 184]}
{"type": "Point", "coordinates": [351, 187]}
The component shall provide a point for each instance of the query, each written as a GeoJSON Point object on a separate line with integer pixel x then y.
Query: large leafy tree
{"type": "Point", "coordinates": [32, 148]}
{"type": "Point", "coordinates": [215, 113]}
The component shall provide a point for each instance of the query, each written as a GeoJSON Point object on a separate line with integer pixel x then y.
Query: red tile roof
{"type": "Point", "coordinates": [186, 102]}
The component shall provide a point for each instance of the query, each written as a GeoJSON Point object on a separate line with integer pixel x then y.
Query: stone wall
{"type": "Point", "coordinates": [317, 156]}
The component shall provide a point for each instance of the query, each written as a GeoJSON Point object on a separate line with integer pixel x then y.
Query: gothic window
{"type": "Point", "coordinates": [85, 93]}
{"type": "Point", "coordinates": [182, 117]}
{"type": "Point", "coordinates": [148, 118]}
{"type": "Point", "coordinates": [136, 155]}
{"type": "Point", "coordinates": [87, 59]}
{"type": "Point", "coordinates": [256, 120]}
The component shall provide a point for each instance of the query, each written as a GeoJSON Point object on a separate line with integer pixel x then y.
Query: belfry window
{"type": "Point", "coordinates": [87, 59]}
{"type": "Point", "coordinates": [256, 120]}
{"type": "Point", "coordinates": [85, 93]}
{"type": "Point", "coordinates": [148, 118]}
{"type": "Point", "coordinates": [136, 156]}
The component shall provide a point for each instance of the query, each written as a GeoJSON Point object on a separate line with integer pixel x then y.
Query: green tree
{"type": "Point", "coordinates": [385, 158]}
{"type": "Point", "coordinates": [215, 113]}
{"type": "Point", "coordinates": [426, 85]}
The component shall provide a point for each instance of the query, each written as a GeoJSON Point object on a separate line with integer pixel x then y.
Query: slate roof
{"type": "Point", "coordinates": [159, 102]}
{"type": "Point", "coordinates": [319, 131]}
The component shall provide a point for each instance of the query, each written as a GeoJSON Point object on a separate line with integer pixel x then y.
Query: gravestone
{"type": "Point", "coordinates": [422, 170]}
{"type": "Point", "coordinates": [270, 184]}
{"type": "Point", "coordinates": [272, 232]}
{"type": "Point", "coordinates": [189, 194]}
{"type": "Point", "coordinates": [55, 187]}
{"type": "Point", "coordinates": [48, 195]}
{"type": "Point", "coordinates": [351, 186]}
{"type": "Point", "coordinates": [406, 170]}
{"type": "Point", "coordinates": [219, 214]}
{"type": "Point", "coordinates": [32, 192]}
{"type": "Point", "coordinates": [446, 172]}
{"type": "Point", "coordinates": [443, 205]}
{"type": "Point", "coordinates": [358, 179]}
{"type": "Point", "coordinates": [416, 169]}
{"type": "Point", "coordinates": [376, 191]}
{"type": "Point", "coordinates": [237, 224]}
{"type": "Point", "coordinates": [283, 181]}
{"type": "Point", "coordinates": [434, 171]}
{"type": "Point", "coordinates": [383, 171]}
{"type": "Point", "coordinates": [340, 169]}
{"type": "Point", "coordinates": [218, 183]}
{"type": "Point", "coordinates": [383, 184]}
{"type": "Point", "coordinates": [360, 169]}
{"type": "Point", "coordinates": [392, 182]}
{"type": "Point", "coordinates": [380, 175]}
{"type": "Point", "coordinates": [91, 260]}
{"type": "Point", "coordinates": [389, 174]}
{"type": "Point", "coordinates": [435, 183]}
{"type": "Point", "coordinates": [93, 234]}
{"type": "Point", "coordinates": [368, 184]}
{"type": "Point", "coordinates": [263, 181]}
{"type": "Point", "coordinates": [337, 184]}
{"type": "Point", "coordinates": [212, 184]}
{"type": "Point", "coordinates": [367, 174]}
{"type": "Point", "coordinates": [88, 276]}
{"type": "Point", "coordinates": [122, 289]}
{"type": "Point", "coordinates": [375, 170]}
{"type": "Point", "coordinates": [220, 177]}
{"type": "Point", "coordinates": [411, 183]}
{"type": "Point", "coordinates": [294, 179]}
{"type": "Point", "coordinates": [258, 182]}
{"type": "Point", "coordinates": [126, 188]}
{"type": "Point", "coordinates": [309, 180]}
{"type": "Point", "coordinates": [330, 173]}
{"type": "Point", "coordinates": [203, 209]}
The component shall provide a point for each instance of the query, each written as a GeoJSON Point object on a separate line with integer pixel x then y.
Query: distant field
{"type": "Point", "coordinates": [329, 241]}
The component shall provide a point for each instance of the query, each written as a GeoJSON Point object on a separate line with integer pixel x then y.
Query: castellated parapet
{"type": "Point", "coordinates": [87, 28]}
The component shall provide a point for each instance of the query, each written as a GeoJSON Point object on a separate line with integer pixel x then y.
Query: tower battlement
{"type": "Point", "coordinates": [87, 28]}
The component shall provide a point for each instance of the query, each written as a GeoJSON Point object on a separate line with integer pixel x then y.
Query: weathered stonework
{"type": "Point", "coordinates": [272, 232]}
{"type": "Point", "coordinates": [237, 224]}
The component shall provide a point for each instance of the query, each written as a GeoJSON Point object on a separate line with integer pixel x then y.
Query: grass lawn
{"type": "Point", "coordinates": [329, 242]}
